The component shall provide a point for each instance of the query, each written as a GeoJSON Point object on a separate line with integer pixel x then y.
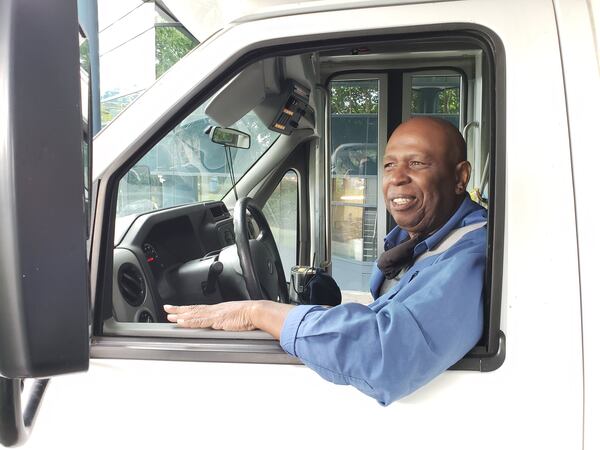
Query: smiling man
{"type": "Point", "coordinates": [427, 285]}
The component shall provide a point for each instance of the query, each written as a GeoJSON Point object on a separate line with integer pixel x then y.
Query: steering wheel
{"type": "Point", "coordinates": [259, 258]}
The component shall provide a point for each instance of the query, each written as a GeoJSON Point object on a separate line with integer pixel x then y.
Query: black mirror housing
{"type": "Point", "coordinates": [44, 281]}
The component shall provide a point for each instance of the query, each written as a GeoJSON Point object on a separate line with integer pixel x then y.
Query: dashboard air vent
{"type": "Point", "coordinates": [219, 211]}
{"type": "Point", "coordinates": [131, 284]}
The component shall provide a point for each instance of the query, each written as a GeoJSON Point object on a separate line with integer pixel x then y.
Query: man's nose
{"type": "Point", "coordinates": [399, 176]}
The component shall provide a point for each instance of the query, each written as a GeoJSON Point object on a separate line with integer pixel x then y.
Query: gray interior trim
{"type": "Point", "coordinates": [240, 95]}
{"type": "Point", "coordinates": [208, 350]}
{"type": "Point", "coordinates": [326, 173]}
{"type": "Point", "coordinates": [163, 330]}
{"type": "Point", "coordinates": [428, 60]}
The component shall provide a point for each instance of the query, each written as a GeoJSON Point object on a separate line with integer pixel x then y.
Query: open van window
{"type": "Point", "coordinates": [177, 197]}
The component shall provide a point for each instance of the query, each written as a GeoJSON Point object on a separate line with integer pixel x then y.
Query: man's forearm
{"type": "Point", "coordinates": [269, 316]}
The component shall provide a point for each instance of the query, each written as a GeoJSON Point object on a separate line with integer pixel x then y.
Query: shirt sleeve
{"type": "Point", "coordinates": [403, 340]}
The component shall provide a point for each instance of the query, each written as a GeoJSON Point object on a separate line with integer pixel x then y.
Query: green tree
{"type": "Point", "coordinates": [448, 101]}
{"type": "Point", "coordinates": [354, 98]}
{"type": "Point", "coordinates": [171, 45]}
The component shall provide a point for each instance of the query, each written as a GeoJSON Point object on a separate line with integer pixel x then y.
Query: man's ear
{"type": "Point", "coordinates": [463, 175]}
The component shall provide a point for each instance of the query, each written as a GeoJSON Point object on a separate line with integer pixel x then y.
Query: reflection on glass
{"type": "Point", "coordinates": [281, 212]}
{"type": "Point", "coordinates": [436, 96]}
{"type": "Point", "coordinates": [186, 167]}
{"type": "Point", "coordinates": [138, 43]}
{"type": "Point", "coordinates": [354, 137]}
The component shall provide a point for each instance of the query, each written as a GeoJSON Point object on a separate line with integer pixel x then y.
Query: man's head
{"type": "Point", "coordinates": [425, 174]}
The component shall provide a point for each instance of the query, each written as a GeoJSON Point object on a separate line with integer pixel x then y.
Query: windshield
{"type": "Point", "coordinates": [186, 167]}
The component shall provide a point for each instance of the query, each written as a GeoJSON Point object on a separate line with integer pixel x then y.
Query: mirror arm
{"type": "Point", "coordinates": [15, 422]}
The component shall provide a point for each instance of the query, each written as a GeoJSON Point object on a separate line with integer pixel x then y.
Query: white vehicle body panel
{"type": "Point", "coordinates": [534, 400]}
{"type": "Point", "coordinates": [581, 64]}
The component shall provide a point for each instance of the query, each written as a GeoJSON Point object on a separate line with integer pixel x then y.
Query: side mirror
{"type": "Point", "coordinates": [44, 193]}
{"type": "Point", "coordinates": [229, 137]}
{"type": "Point", "coordinates": [44, 282]}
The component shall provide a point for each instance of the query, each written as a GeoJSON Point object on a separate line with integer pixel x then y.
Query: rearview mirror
{"type": "Point", "coordinates": [229, 137]}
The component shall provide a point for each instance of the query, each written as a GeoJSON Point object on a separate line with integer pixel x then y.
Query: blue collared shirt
{"type": "Point", "coordinates": [424, 324]}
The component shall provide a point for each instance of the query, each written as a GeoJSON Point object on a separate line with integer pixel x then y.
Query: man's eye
{"type": "Point", "coordinates": [416, 163]}
{"type": "Point", "coordinates": [388, 165]}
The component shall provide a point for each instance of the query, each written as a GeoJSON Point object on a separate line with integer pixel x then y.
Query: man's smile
{"type": "Point", "coordinates": [402, 202]}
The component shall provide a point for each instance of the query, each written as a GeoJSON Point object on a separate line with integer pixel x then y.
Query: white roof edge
{"type": "Point", "coordinates": [322, 6]}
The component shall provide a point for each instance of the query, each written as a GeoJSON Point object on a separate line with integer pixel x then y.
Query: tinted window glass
{"type": "Point", "coordinates": [354, 137]}
{"type": "Point", "coordinates": [436, 96]}
{"type": "Point", "coordinates": [186, 167]}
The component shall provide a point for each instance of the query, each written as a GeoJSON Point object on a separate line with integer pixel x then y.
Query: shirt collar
{"type": "Point", "coordinates": [459, 218]}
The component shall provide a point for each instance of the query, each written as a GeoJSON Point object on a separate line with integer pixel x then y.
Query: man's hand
{"type": "Point", "coordinates": [232, 316]}
{"type": "Point", "coordinates": [228, 316]}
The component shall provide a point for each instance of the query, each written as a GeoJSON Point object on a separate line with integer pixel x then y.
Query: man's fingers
{"type": "Point", "coordinates": [171, 309]}
{"type": "Point", "coordinates": [182, 309]}
{"type": "Point", "coordinates": [224, 316]}
{"type": "Point", "coordinates": [190, 316]}
{"type": "Point", "coordinates": [178, 317]}
{"type": "Point", "coordinates": [194, 323]}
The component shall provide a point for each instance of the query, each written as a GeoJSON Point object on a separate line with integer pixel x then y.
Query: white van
{"type": "Point", "coordinates": [318, 86]}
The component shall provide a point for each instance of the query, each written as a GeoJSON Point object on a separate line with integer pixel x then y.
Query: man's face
{"type": "Point", "coordinates": [420, 178]}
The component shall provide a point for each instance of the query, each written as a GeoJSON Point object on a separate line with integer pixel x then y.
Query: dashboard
{"type": "Point", "coordinates": [170, 257]}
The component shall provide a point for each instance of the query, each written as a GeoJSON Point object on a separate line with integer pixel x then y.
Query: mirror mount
{"type": "Point", "coordinates": [16, 423]}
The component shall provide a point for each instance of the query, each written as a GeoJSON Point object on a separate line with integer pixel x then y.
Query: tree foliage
{"type": "Point", "coordinates": [448, 101]}
{"type": "Point", "coordinates": [171, 46]}
{"type": "Point", "coordinates": [354, 98]}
